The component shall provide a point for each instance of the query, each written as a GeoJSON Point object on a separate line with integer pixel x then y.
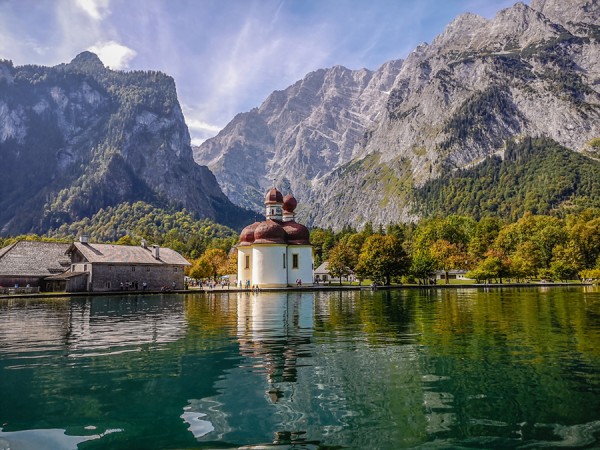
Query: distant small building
{"type": "Point", "coordinates": [322, 274]}
{"type": "Point", "coordinates": [31, 263]}
{"type": "Point", "coordinates": [452, 275]}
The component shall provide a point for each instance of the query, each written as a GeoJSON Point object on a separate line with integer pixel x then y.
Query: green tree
{"type": "Point", "coordinates": [486, 232]}
{"type": "Point", "coordinates": [566, 262]}
{"type": "Point", "coordinates": [342, 261]}
{"type": "Point", "coordinates": [495, 265]}
{"type": "Point", "coordinates": [524, 261]}
{"type": "Point", "coordinates": [422, 266]}
{"type": "Point", "coordinates": [382, 258]}
{"type": "Point", "coordinates": [322, 241]}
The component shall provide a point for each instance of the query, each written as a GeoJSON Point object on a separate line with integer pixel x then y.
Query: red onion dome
{"type": "Point", "coordinates": [269, 232]}
{"type": "Point", "coordinates": [273, 196]}
{"type": "Point", "coordinates": [247, 234]}
{"type": "Point", "coordinates": [296, 233]}
{"type": "Point", "coordinates": [289, 203]}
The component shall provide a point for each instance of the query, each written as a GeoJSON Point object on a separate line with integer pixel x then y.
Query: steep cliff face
{"type": "Point", "coordinates": [298, 135]}
{"type": "Point", "coordinates": [529, 71]}
{"type": "Point", "coordinates": [79, 137]}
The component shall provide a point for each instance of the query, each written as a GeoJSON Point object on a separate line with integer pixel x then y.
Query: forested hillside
{"type": "Point", "coordinates": [535, 175]}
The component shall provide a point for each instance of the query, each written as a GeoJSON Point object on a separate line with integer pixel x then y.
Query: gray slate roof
{"type": "Point", "coordinates": [323, 268]}
{"type": "Point", "coordinates": [29, 258]}
{"type": "Point", "coordinates": [127, 254]}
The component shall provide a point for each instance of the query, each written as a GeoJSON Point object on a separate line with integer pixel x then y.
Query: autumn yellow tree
{"type": "Point", "coordinates": [212, 264]}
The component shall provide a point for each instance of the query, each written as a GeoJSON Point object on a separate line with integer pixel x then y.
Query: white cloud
{"type": "Point", "coordinates": [199, 125]}
{"type": "Point", "coordinates": [96, 9]}
{"type": "Point", "coordinates": [200, 130]}
{"type": "Point", "coordinates": [113, 54]}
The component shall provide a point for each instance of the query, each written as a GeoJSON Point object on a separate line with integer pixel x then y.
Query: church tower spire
{"type": "Point", "coordinates": [273, 204]}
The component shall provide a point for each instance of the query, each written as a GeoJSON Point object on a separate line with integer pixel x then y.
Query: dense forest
{"type": "Point", "coordinates": [532, 247]}
{"type": "Point", "coordinates": [128, 223]}
{"type": "Point", "coordinates": [535, 175]}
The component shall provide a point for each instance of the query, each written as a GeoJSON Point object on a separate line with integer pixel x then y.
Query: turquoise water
{"type": "Point", "coordinates": [502, 368]}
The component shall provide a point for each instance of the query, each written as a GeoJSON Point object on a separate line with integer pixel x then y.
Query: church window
{"type": "Point", "coordinates": [284, 260]}
{"type": "Point", "coordinates": [295, 261]}
{"type": "Point", "coordinates": [247, 261]}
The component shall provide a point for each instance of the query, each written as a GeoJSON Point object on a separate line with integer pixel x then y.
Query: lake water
{"type": "Point", "coordinates": [502, 368]}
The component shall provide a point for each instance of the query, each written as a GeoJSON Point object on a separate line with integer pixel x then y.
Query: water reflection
{"type": "Point", "coordinates": [386, 369]}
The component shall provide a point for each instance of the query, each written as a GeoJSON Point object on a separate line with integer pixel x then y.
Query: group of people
{"type": "Point", "coordinates": [134, 285]}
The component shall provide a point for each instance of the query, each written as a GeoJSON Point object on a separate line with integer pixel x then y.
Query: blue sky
{"type": "Point", "coordinates": [226, 56]}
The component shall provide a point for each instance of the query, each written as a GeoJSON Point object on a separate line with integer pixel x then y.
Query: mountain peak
{"type": "Point", "coordinates": [87, 61]}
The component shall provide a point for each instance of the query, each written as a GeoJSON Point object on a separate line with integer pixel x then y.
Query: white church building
{"type": "Point", "coordinates": [276, 252]}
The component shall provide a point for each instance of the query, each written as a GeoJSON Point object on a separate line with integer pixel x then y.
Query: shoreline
{"type": "Point", "coordinates": [319, 288]}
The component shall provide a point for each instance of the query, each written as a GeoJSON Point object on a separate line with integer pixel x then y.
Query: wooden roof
{"type": "Point", "coordinates": [127, 254]}
{"type": "Point", "coordinates": [30, 258]}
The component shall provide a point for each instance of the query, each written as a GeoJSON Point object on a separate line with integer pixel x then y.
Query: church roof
{"type": "Point", "coordinates": [296, 233]}
{"type": "Point", "coordinates": [289, 203]}
{"type": "Point", "coordinates": [273, 196]}
{"type": "Point", "coordinates": [273, 230]}
{"type": "Point", "coordinates": [269, 232]}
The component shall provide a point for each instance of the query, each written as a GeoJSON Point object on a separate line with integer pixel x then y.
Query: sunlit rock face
{"type": "Point", "coordinates": [352, 144]}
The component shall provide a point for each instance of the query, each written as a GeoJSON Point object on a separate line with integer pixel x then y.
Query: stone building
{"type": "Point", "coordinates": [84, 266]}
{"type": "Point", "coordinates": [31, 263]}
{"type": "Point", "coordinates": [113, 267]}
{"type": "Point", "coordinates": [276, 252]}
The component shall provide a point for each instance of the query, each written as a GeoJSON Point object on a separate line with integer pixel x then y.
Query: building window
{"type": "Point", "coordinates": [107, 285]}
{"type": "Point", "coordinates": [174, 269]}
{"type": "Point", "coordinates": [247, 261]}
{"type": "Point", "coordinates": [85, 267]}
{"type": "Point", "coordinates": [295, 261]}
{"type": "Point", "coordinates": [284, 260]}
{"type": "Point", "coordinates": [148, 269]}
{"type": "Point", "coordinates": [133, 268]}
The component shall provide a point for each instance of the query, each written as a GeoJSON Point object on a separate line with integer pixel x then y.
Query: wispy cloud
{"type": "Point", "coordinates": [113, 54]}
{"type": "Point", "coordinates": [96, 9]}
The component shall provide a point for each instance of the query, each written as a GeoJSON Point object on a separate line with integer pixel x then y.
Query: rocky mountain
{"type": "Point", "coordinates": [298, 135]}
{"type": "Point", "coordinates": [78, 137]}
{"type": "Point", "coordinates": [355, 145]}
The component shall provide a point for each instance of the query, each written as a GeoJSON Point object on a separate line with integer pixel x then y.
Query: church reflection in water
{"type": "Point", "coordinates": [304, 379]}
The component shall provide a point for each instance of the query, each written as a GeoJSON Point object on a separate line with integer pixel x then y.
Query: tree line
{"type": "Point", "coordinates": [489, 249]}
{"type": "Point", "coordinates": [532, 247]}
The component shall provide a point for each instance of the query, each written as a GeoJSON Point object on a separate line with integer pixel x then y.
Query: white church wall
{"type": "Point", "coordinates": [244, 264]}
{"type": "Point", "coordinates": [304, 271]}
{"type": "Point", "coordinates": [267, 262]}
